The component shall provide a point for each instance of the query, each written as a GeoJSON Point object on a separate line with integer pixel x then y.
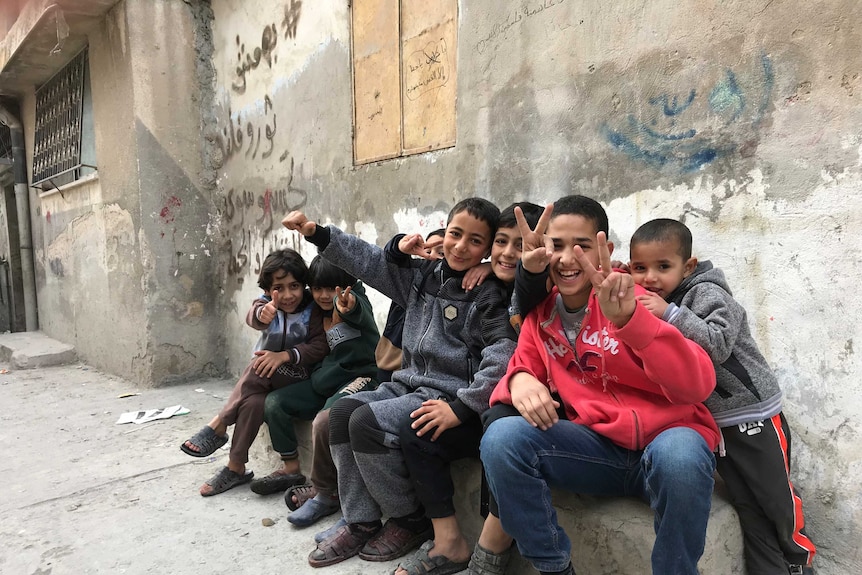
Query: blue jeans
{"type": "Point", "coordinates": [674, 474]}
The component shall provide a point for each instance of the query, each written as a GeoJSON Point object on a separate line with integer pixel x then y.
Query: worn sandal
{"type": "Point", "coordinates": [421, 564]}
{"type": "Point", "coordinates": [276, 482]}
{"type": "Point", "coordinates": [313, 511]}
{"type": "Point", "coordinates": [393, 541]}
{"type": "Point", "coordinates": [484, 562]}
{"type": "Point", "coordinates": [302, 493]}
{"type": "Point", "coordinates": [329, 531]}
{"type": "Point", "coordinates": [225, 479]}
{"type": "Point", "coordinates": [206, 441]}
{"type": "Point", "coordinates": [342, 545]}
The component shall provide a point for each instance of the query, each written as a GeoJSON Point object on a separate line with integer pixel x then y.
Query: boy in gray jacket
{"type": "Point", "coordinates": [456, 345]}
{"type": "Point", "coordinates": [746, 404]}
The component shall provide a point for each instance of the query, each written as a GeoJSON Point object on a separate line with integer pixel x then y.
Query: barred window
{"type": "Point", "coordinates": [5, 146]}
{"type": "Point", "coordinates": [64, 149]}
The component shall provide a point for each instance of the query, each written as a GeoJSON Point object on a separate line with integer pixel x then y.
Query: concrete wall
{"type": "Point", "coordinates": [741, 118]}
{"type": "Point", "coordinates": [117, 263]}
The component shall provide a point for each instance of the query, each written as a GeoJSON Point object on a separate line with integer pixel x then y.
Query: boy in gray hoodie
{"type": "Point", "coordinates": [746, 404]}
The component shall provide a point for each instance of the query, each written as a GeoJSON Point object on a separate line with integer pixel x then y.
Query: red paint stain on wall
{"type": "Point", "coordinates": [168, 211]}
{"type": "Point", "coordinates": [48, 216]}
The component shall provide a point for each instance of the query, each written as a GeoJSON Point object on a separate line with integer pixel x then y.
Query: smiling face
{"type": "Point", "coordinates": [505, 253]}
{"type": "Point", "coordinates": [466, 242]}
{"type": "Point", "coordinates": [324, 297]}
{"type": "Point", "coordinates": [568, 231]}
{"type": "Point", "coordinates": [659, 267]}
{"type": "Point", "coordinates": [287, 290]}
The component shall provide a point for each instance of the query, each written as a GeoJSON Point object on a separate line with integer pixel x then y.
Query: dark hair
{"type": "Point", "coordinates": [664, 230]}
{"type": "Point", "coordinates": [438, 232]}
{"type": "Point", "coordinates": [532, 213]}
{"type": "Point", "coordinates": [287, 260]}
{"type": "Point", "coordinates": [582, 206]}
{"type": "Point", "coordinates": [322, 274]}
{"type": "Point", "coordinates": [479, 208]}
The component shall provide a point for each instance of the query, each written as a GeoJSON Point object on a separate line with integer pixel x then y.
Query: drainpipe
{"type": "Point", "coordinates": [22, 203]}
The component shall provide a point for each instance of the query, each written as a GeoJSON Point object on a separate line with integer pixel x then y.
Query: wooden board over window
{"type": "Point", "coordinates": [404, 77]}
{"type": "Point", "coordinates": [376, 80]}
{"type": "Point", "coordinates": [429, 44]}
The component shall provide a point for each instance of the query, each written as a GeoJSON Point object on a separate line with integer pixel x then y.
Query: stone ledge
{"type": "Point", "coordinates": [609, 536]}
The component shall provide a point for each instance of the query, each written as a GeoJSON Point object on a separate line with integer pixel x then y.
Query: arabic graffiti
{"type": "Point", "coordinates": [426, 69]}
{"type": "Point", "coordinates": [248, 60]}
{"type": "Point", "coordinates": [292, 11]}
{"type": "Point", "coordinates": [685, 132]}
{"type": "Point", "coordinates": [250, 250]}
{"type": "Point", "coordinates": [251, 215]}
{"type": "Point", "coordinates": [231, 138]}
{"type": "Point", "coordinates": [514, 18]}
{"type": "Point", "coordinates": [268, 42]}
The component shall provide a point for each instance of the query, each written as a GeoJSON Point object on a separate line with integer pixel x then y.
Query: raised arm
{"type": "Point", "coordinates": [355, 256]}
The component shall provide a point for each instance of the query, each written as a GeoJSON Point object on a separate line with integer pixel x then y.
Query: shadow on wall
{"type": "Point", "coordinates": [512, 138]}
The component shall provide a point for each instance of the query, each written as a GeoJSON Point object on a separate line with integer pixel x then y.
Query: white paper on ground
{"type": "Point", "coordinates": [145, 416]}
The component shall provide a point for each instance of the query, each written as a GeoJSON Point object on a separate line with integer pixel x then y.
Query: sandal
{"type": "Point", "coordinates": [484, 562]}
{"type": "Point", "coordinates": [313, 511]}
{"type": "Point", "coordinates": [276, 482]}
{"type": "Point", "coordinates": [226, 479]}
{"type": "Point", "coordinates": [394, 541]}
{"type": "Point", "coordinates": [302, 493]}
{"type": "Point", "coordinates": [421, 564]}
{"type": "Point", "coordinates": [206, 441]}
{"type": "Point", "coordinates": [342, 545]}
{"type": "Point", "coordinates": [328, 532]}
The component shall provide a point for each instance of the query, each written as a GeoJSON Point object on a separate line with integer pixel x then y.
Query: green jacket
{"type": "Point", "coordinates": [352, 344]}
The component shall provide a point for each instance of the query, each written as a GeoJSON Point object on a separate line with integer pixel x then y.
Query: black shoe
{"type": "Point", "coordinates": [801, 570]}
{"type": "Point", "coordinates": [276, 483]}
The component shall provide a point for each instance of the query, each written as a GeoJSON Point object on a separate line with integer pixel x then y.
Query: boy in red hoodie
{"type": "Point", "coordinates": [630, 388]}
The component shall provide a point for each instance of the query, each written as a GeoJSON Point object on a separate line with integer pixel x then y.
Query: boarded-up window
{"type": "Point", "coordinates": [404, 77]}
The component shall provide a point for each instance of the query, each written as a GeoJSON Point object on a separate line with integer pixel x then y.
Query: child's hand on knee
{"type": "Point", "coordinates": [434, 413]}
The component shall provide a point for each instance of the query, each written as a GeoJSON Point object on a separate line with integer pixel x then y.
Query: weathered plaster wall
{"type": "Point", "coordinates": [123, 264]}
{"type": "Point", "coordinates": [741, 118]}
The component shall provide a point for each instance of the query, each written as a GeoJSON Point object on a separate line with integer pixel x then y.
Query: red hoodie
{"type": "Point", "coordinates": [628, 384]}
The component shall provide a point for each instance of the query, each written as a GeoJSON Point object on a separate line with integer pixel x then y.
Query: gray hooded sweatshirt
{"type": "Point", "coordinates": [703, 309]}
{"type": "Point", "coordinates": [456, 343]}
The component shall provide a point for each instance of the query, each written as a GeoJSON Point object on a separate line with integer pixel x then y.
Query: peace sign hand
{"type": "Point", "coordinates": [614, 290]}
{"type": "Point", "coordinates": [412, 245]}
{"type": "Point", "coordinates": [537, 248]}
{"type": "Point", "coordinates": [344, 300]}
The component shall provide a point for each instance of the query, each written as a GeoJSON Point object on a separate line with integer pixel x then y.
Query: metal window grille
{"type": "Point", "coordinates": [59, 111]}
{"type": "Point", "coordinates": [5, 144]}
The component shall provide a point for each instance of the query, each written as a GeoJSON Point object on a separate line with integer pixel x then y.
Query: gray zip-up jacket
{"type": "Point", "coordinates": [455, 343]}
{"type": "Point", "coordinates": [703, 309]}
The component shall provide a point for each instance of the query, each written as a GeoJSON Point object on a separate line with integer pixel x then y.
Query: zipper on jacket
{"type": "Point", "coordinates": [283, 330]}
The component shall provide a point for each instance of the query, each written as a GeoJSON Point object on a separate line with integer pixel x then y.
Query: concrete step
{"type": "Point", "coordinates": [33, 349]}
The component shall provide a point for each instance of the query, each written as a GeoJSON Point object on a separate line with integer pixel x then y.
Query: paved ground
{"type": "Point", "coordinates": [84, 495]}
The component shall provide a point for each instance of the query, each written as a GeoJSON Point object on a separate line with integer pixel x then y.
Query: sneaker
{"type": "Point", "coordinates": [801, 570]}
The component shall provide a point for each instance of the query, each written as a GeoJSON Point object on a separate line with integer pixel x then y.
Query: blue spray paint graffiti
{"type": "Point", "coordinates": [685, 133]}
